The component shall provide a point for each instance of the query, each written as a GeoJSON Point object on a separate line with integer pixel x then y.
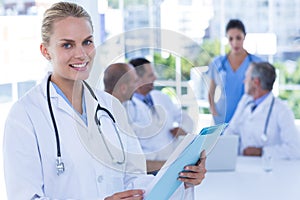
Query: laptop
{"type": "Point", "coordinates": [224, 154]}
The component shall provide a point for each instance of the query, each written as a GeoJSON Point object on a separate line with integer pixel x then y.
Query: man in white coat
{"type": "Point", "coordinates": [157, 121]}
{"type": "Point", "coordinates": [264, 123]}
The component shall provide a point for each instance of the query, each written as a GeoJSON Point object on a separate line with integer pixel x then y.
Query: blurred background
{"type": "Point", "coordinates": [180, 36]}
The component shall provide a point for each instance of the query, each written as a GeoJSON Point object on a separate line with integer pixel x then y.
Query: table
{"type": "Point", "coordinates": [250, 182]}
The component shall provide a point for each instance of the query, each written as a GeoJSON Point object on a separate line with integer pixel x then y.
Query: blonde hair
{"type": "Point", "coordinates": [59, 11]}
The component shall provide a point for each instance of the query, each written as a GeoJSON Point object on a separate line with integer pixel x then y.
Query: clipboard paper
{"type": "Point", "coordinates": [187, 153]}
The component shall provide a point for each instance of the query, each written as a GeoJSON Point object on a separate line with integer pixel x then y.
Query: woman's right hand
{"type": "Point", "coordinates": [127, 195]}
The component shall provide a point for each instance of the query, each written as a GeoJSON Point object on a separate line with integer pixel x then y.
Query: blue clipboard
{"type": "Point", "coordinates": [167, 183]}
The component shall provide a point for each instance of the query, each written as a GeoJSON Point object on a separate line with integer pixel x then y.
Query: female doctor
{"type": "Point", "coordinates": [62, 140]}
{"type": "Point", "coordinates": [227, 73]}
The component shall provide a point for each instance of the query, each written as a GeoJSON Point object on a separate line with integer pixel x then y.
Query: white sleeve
{"type": "Point", "coordinates": [233, 126]}
{"type": "Point", "coordinates": [288, 147]}
{"type": "Point", "coordinates": [179, 116]}
{"type": "Point", "coordinates": [182, 194]}
{"type": "Point", "coordinates": [22, 164]}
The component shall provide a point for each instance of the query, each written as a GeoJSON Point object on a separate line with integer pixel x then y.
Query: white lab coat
{"type": "Point", "coordinates": [283, 139]}
{"type": "Point", "coordinates": [30, 150]}
{"type": "Point", "coordinates": [153, 127]}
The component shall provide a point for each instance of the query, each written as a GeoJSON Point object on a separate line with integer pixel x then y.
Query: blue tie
{"type": "Point", "coordinates": [253, 107]}
{"type": "Point", "coordinates": [148, 101]}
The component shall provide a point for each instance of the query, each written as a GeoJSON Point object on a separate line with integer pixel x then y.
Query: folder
{"type": "Point", "coordinates": [187, 153]}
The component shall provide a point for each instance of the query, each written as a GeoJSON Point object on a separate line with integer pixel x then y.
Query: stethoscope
{"type": "Point", "coordinates": [133, 113]}
{"type": "Point", "coordinates": [264, 135]}
{"type": "Point", "coordinates": [60, 167]}
{"type": "Point", "coordinates": [223, 68]}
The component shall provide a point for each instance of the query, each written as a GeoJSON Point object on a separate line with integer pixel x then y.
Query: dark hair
{"type": "Point", "coordinates": [266, 73]}
{"type": "Point", "coordinates": [138, 63]}
{"type": "Point", "coordinates": [235, 23]}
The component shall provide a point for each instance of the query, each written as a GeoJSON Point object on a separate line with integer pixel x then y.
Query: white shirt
{"type": "Point", "coordinates": [30, 150]}
{"type": "Point", "coordinates": [152, 126]}
{"type": "Point", "coordinates": [283, 139]}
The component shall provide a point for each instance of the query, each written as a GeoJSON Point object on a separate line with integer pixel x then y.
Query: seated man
{"type": "Point", "coordinates": [264, 123]}
{"type": "Point", "coordinates": [120, 80]}
{"type": "Point", "coordinates": [161, 122]}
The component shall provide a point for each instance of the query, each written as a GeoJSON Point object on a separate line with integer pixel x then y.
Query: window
{"type": "Point", "coordinates": [23, 87]}
{"type": "Point", "coordinates": [6, 93]}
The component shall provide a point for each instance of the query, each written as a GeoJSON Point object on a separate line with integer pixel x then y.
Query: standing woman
{"type": "Point", "coordinates": [228, 73]}
{"type": "Point", "coordinates": [62, 140]}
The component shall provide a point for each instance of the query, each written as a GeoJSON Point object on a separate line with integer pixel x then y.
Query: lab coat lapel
{"type": "Point", "coordinates": [255, 125]}
{"type": "Point", "coordinates": [264, 106]}
{"type": "Point", "coordinates": [243, 112]}
{"type": "Point", "coordinates": [91, 138]}
{"type": "Point", "coordinates": [61, 104]}
{"type": "Point", "coordinates": [91, 105]}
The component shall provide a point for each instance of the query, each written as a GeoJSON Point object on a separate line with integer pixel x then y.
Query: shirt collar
{"type": "Point", "coordinates": [139, 96]}
{"type": "Point", "coordinates": [83, 116]}
{"type": "Point", "coordinates": [261, 99]}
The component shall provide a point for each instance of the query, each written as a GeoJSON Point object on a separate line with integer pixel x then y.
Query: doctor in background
{"type": "Point", "coordinates": [264, 123]}
{"type": "Point", "coordinates": [62, 140]}
{"type": "Point", "coordinates": [156, 120]}
{"type": "Point", "coordinates": [227, 73]}
{"type": "Point", "coordinates": [120, 80]}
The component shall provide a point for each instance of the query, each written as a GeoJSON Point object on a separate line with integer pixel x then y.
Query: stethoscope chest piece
{"type": "Point", "coordinates": [60, 167]}
{"type": "Point", "coordinates": [264, 137]}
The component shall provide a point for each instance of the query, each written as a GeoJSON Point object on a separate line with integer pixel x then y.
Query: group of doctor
{"type": "Point", "coordinates": [227, 73]}
{"type": "Point", "coordinates": [64, 140]}
{"type": "Point", "coordinates": [156, 120]}
{"type": "Point", "coordinates": [264, 123]}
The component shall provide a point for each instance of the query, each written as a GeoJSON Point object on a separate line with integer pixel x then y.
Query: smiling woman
{"type": "Point", "coordinates": [68, 45]}
{"type": "Point", "coordinates": [29, 138]}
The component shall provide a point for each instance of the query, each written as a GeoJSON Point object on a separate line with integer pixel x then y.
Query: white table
{"type": "Point", "coordinates": [250, 182]}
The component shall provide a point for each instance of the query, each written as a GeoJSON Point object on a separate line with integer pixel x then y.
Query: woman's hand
{"type": "Point", "coordinates": [176, 132]}
{"type": "Point", "coordinates": [194, 174]}
{"type": "Point", "coordinates": [252, 151]}
{"type": "Point", "coordinates": [127, 195]}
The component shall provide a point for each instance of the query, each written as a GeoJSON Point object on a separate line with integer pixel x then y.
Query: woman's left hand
{"type": "Point", "coordinates": [194, 174]}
